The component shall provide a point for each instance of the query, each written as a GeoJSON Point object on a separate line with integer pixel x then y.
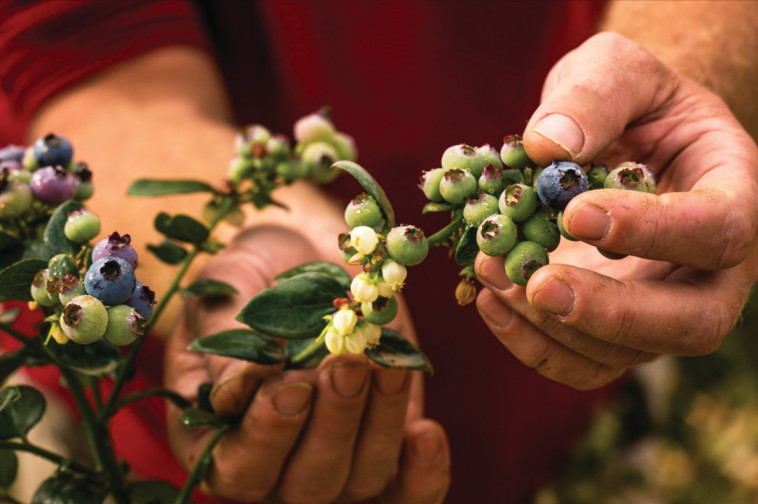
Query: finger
{"type": "Point", "coordinates": [539, 323]}
{"type": "Point", "coordinates": [540, 352]}
{"type": "Point", "coordinates": [424, 475]}
{"type": "Point", "coordinates": [593, 98]}
{"type": "Point", "coordinates": [688, 313]}
{"type": "Point", "coordinates": [248, 460]}
{"type": "Point", "coordinates": [318, 468]}
{"type": "Point", "coordinates": [381, 435]}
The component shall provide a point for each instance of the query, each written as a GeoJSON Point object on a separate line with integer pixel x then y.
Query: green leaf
{"type": "Point", "coordinates": [152, 492]}
{"type": "Point", "coordinates": [96, 359]}
{"type": "Point", "coordinates": [241, 344]}
{"type": "Point", "coordinates": [8, 468]}
{"type": "Point", "coordinates": [371, 186]}
{"type": "Point", "coordinates": [16, 279]}
{"type": "Point", "coordinates": [21, 412]}
{"type": "Point", "coordinates": [168, 252]}
{"type": "Point", "coordinates": [10, 362]}
{"type": "Point", "coordinates": [294, 308]}
{"type": "Point", "coordinates": [70, 488]}
{"type": "Point", "coordinates": [333, 270]}
{"type": "Point", "coordinates": [465, 252]}
{"type": "Point", "coordinates": [181, 227]}
{"type": "Point", "coordinates": [207, 287]}
{"type": "Point", "coordinates": [37, 249]}
{"type": "Point", "coordinates": [157, 187]}
{"type": "Point", "coordinates": [394, 351]}
{"type": "Point", "coordinates": [295, 347]}
{"type": "Point", "coordinates": [196, 417]}
{"type": "Point", "coordinates": [437, 207]}
{"type": "Point", "coordinates": [54, 234]}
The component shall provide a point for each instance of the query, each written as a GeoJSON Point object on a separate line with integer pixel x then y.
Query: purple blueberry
{"type": "Point", "coordinates": [111, 280]}
{"type": "Point", "coordinates": [142, 300]}
{"type": "Point", "coordinates": [116, 245]}
{"type": "Point", "coordinates": [53, 185]}
{"type": "Point", "coordinates": [51, 150]}
{"type": "Point", "coordinates": [559, 183]}
{"type": "Point", "coordinates": [12, 153]}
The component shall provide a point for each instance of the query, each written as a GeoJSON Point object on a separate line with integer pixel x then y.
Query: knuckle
{"type": "Point", "coordinates": [362, 490]}
{"type": "Point", "coordinates": [740, 232]}
{"type": "Point", "coordinates": [307, 495]}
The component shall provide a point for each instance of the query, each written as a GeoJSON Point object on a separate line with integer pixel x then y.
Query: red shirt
{"type": "Point", "coordinates": [407, 79]}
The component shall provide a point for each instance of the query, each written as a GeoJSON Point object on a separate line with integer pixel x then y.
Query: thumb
{"type": "Point", "coordinates": [591, 95]}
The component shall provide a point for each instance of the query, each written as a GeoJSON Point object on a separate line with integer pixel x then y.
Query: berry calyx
{"type": "Point", "coordinates": [518, 201]}
{"type": "Point", "coordinates": [116, 245]}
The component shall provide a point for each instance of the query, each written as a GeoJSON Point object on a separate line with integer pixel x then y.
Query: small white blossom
{"type": "Point", "coordinates": [394, 274]}
{"type": "Point", "coordinates": [356, 342]}
{"type": "Point", "coordinates": [364, 239]}
{"type": "Point", "coordinates": [371, 332]}
{"type": "Point", "coordinates": [335, 342]}
{"type": "Point", "coordinates": [364, 289]}
{"type": "Point", "coordinates": [344, 321]}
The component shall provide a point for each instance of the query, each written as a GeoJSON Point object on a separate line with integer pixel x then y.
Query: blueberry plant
{"type": "Point", "coordinates": [96, 313]}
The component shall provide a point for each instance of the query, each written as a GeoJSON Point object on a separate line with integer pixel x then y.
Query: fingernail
{"type": "Point", "coordinates": [292, 398]}
{"type": "Point", "coordinates": [563, 131]}
{"type": "Point", "coordinates": [390, 381]}
{"type": "Point", "coordinates": [492, 271]}
{"type": "Point", "coordinates": [589, 222]}
{"type": "Point", "coordinates": [348, 379]}
{"type": "Point", "coordinates": [427, 446]}
{"type": "Point", "coordinates": [554, 296]}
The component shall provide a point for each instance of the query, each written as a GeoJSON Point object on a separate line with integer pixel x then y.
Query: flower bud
{"type": "Point", "coordinates": [364, 239]}
{"type": "Point", "coordinates": [364, 289]}
{"type": "Point", "coordinates": [465, 292]}
{"type": "Point", "coordinates": [335, 342]}
{"type": "Point", "coordinates": [344, 321]}
{"type": "Point", "coordinates": [394, 274]}
{"type": "Point", "coordinates": [356, 342]}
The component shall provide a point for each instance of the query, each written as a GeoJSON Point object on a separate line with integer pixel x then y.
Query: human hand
{"type": "Point", "coordinates": [346, 430]}
{"type": "Point", "coordinates": [584, 319]}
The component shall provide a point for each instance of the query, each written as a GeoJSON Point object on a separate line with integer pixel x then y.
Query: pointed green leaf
{"type": "Point", "coordinates": [16, 279]}
{"type": "Point", "coordinates": [327, 268]}
{"type": "Point", "coordinates": [207, 287]}
{"type": "Point", "coordinates": [10, 362]}
{"type": "Point", "coordinates": [295, 347]}
{"type": "Point", "coordinates": [157, 187]}
{"type": "Point", "coordinates": [168, 252]}
{"type": "Point", "coordinates": [294, 308]}
{"type": "Point", "coordinates": [20, 413]}
{"type": "Point", "coordinates": [241, 344]}
{"type": "Point", "coordinates": [152, 492]}
{"type": "Point", "coordinates": [37, 249]}
{"type": "Point", "coordinates": [181, 227]}
{"type": "Point", "coordinates": [465, 252]}
{"type": "Point", "coordinates": [196, 417]}
{"type": "Point", "coordinates": [394, 351]}
{"type": "Point", "coordinates": [96, 359]}
{"type": "Point", "coordinates": [437, 207]}
{"type": "Point", "coordinates": [66, 487]}
{"type": "Point", "coordinates": [371, 186]}
{"type": "Point", "coordinates": [8, 468]}
{"type": "Point", "coordinates": [54, 234]}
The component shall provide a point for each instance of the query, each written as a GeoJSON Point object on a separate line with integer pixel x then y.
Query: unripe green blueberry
{"type": "Point", "coordinates": [541, 230]}
{"type": "Point", "coordinates": [240, 168]}
{"type": "Point", "coordinates": [513, 153]}
{"type": "Point", "coordinates": [491, 156]}
{"type": "Point", "coordinates": [457, 185]}
{"type": "Point", "coordinates": [15, 198]}
{"type": "Point", "coordinates": [279, 148]}
{"type": "Point", "coordinates": [291, 169]}
{"type": "Point", "coordinates": [631, 176]}
{"type": "Point", "coordinates": [345, 145]}
{"type": "Point", "coordinates": [318, 158]}
{"type": "Point", "coordinates": [61, 265]}
{"type": "Point", "coordinates": [83, 176]}
{"type": "Point", "coordinates": [252, 141]}
{"type": "Point", "coordinates": [496, 235]}
{"type": "Point", "coordinates": [81, 226]}
{"type": "Point", "coordinates": [70, 287]}
{"type": "Point", "coordinates": [39, 290]}
{"type": "Point", "coordinates": [407, 245]}
{"type": "Point", "coordinates": [596, 176]}
{"type": "Point", "coordinates": [518, 201]}
{"type": "Point", "coordinates": [29, 160]}
{"type": "Point", "coordinates": [363, 210]}
{"type": "Point", "coordinates": [313, 128]}
{"type": "Point", "coordinates": [380, 312]}
{"type": "Point", "coordinates": [491, 180]}
{"type": "Point", "coordinates": [562, 228]}
{"type": "Point", "coordinates": [21, 175]}
{"type": "Point", "coordinates": [429, 182]}
{"type": "Point", "coordinates": [523, 260]}
{"type": "Point", "coordinates": [464, 157]}
{"type": "Point", "coordinates": [124, 325]}
{"type": "Point", "coordinates": [479, 208]}
{"type": "Point", "coordinates": [84, 319]}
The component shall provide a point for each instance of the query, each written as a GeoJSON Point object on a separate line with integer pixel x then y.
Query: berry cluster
{"type": "Point", "coordinates": [508, 206]}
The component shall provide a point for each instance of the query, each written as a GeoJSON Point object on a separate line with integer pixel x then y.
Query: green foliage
{"type": "Point", "coordinates": [168, 252]}
{"type": "Point", "coordinates": [437, 207]}
{"type": "Point", "coordinates": [70, 488]}
{"type": "Point", "coordinates": [394, 351]}
{"type": "Point", "coordinates": [21, 407]}
{"type": "Point", "coordinates": [8, 469]}
{"type": "Point", "coordinates": [181, 227]}
{"type": "Point", "coordinates": [155, 187]}
{"type": "Point", "coordinates": [100, 358]}
{"type": "Point", "coordinates": [207, 287]}
{"type": "Point", "coordinates": [10, 362]}
{"type": "Point", "coordinates": [371, 186]}
{"type": "Point", "coordinates": [197, 417]}
{"type": "Point", "coordinates": [467, 248]}
{"type": "Point", "coordinates": [16, 279]}
{"type": "Point", "coordinates": [332, 270]}
{"type": "Point", "coordinates": [241, 344]}
{"type": "Point", "coordinates": [55, 238]}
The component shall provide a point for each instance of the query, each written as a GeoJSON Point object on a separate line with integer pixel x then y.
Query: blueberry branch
{"type": "Point", "coordinates": [48, 455]}
{"type": "Point", "coordinates": [175, 398]}
{"type": "Point", "coordinates": [444, 234]}
{"type": "Point", "coordinates": [201, 466]}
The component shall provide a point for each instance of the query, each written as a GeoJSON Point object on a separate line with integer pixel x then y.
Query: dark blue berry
{"type": "Point", "coordinates": [559, 183]}
{"type": "Point", "coordinates": [142, 300]}
{"type": "Point", "coordinates": [52, 150]}
{"type": "Point", "coordinates": [111, 280]}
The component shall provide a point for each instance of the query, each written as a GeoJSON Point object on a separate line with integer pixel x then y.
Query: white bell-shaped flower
{"type": "Point", "coordinates": [364, 289]}
{"type": "Point", "coordinates": [335, 342]}
{"type": "Point", "coordinates": [364, 239]}
{"type": "Point", "coordinates": [344, 320]}
{"type": "Point", "coordinates": [394, 274]}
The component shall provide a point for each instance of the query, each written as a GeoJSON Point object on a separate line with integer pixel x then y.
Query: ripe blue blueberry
{"type": "Point", "coordinates": [52, 150]}
{"type": "Point", "coordinates": [53, 185]}
{"type": "Point", "coordinates": [560, 182]}
{"type": "Point", "coordinates": [111, 280]}
{"type": "Point", "coordinates": [142, 300]}
{"type": "Point", "coordinates": [84, 319]}
{"type": "Point", "coordinates": [496, 235]}
{"type": "Point", "coordinates": [116, 245]}
{"type": "Point", "coordinates": [523, 260]}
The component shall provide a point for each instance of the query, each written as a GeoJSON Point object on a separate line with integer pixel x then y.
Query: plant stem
{"type": "Point", "coordinates": [52, 457]}
{"type": "Point", "coordinates": [6, 328]}
{"type": "Point", "coordinates": [201, 466]}
{"type": "Point", "coordinates": [178, 400]}
{"type": "Point", "coordinates": [311, 349]}
{"type": "Point", "coordinates": [443, 234]}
